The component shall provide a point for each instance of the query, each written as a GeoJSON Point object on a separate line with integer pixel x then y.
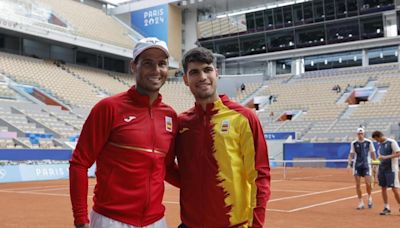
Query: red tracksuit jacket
{"type": "Point", "coordinates": [128, 140]}
{"type": "Point", "coordinates": [224, 174]}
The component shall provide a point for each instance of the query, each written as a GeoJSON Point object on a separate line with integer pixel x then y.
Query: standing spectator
{"type": "Point", "coordinates": [242, 87]}
{"type": "Point", "coordinates": [362, 150]}
{"type": "Point", "coordinates": [388, 174]}
{"type": "Point", "coordinates": [271, 116]}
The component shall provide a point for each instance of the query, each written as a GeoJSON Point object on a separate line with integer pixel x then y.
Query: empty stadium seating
{"type": "Point", "coordinates": [37, 126]}
{"type": "Point", "coordinates": [93, 23]}
{"type": "Point", "coordinates": [99, 78]}
{"type": "Point", "coordinates": [45, 75]}
{"type": "Point", "coordinates": [177, 95]}
{"type": "Point", "coordinates": [318, 113]}
{"type": "Point", "coordinates": [6, 92]}
{"type": "Point", "coordinates": [323, 113]}
{"type": "Point", "coordinates": [220, 27]}
{"type": "Point", "coordinates": [249, 90]}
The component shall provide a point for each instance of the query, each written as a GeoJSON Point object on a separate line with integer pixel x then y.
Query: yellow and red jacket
{"type": "Point", "coordinates": [224, 174]}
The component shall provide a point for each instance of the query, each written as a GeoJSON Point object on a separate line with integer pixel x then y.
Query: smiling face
{"type": "Point", "coordinates": [360, 136]}
{"type": "Point", "coordinates": [150, 70]}
{"type": "Point", "coordinates": [201, 78]}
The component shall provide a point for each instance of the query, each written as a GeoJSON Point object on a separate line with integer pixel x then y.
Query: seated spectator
{"type": "Point", "coordinates": [242, 87]}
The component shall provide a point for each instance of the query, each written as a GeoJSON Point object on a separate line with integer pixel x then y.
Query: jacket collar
{"type": "Point", "coordinates": [142, 100]}
{"type": "Point", "coordinates": [211, 107]}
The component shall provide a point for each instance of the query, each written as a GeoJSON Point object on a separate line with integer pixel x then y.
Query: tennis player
{"type": "Point", "coordinates": [128, 136]}
{"type": "Point", "coordinates": [361, 151]}
{"type": "Point", "coordinates": [222, 154]}
{"type": "Point", "coordinates": [388, 175]}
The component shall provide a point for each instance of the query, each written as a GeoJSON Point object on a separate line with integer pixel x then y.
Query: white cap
{"type": "Point", "coordinates": [360, 130]}
{"type": "Point", "coordinates": [147, 43]}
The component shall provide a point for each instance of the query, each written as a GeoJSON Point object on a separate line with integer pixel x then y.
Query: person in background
{"type": "Point", "coordinates": [242, 87]}
{"type": "Point", "coordinates": [362, 150]}
{"type": "Point", "coordinates": [388, 173]}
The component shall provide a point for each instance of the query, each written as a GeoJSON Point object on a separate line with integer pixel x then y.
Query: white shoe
{"type": "Point", "coordinates": [370, 204]}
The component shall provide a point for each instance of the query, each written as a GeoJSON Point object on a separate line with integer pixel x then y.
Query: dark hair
{"type": "Point", "coordinates": [198, 54]}
{"type": "Point", "coordinates": [377, 134]}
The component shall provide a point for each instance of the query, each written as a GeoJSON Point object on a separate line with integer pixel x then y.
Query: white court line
{"type": "Point", "coordinates": [304, 178]}
{"type": "Point", "coordinates": [289, 190]}
{"type": "Point", "coordinates": [38, 193]}
{"type": "Point", "coordinates": [310, 194]}
{"type": "Point", "coordinates": [277, 210]}
{"type": "Point", "coordinates": [328, 202]}
{"type": "Point", "coordinates": [40, 188]}
{"type": "Point", "coordinates": [301, 178]}
{"type": "Point", "coordinates": [174, 202]}
{"type": "Point", "coordinates": [280, 180]}
{"type": "Point", "coordinates": [34, 193]}
{"type": "Point", "coordinates": [51, 189]}
{"type": "Point", "coordinates": [32, 188]}
{"type": "Point", "coordinates": [64, 195]}
{"type": "Point", "coordinates": [170, 202]}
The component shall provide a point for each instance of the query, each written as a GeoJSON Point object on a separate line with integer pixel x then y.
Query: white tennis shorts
{"type": "Point", "coordinates": [100, 221]}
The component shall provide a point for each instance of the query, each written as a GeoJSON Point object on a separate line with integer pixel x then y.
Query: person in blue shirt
{"type": "Point", "coordinates": [388, 174]}
{"type": "Point", "coordinates": [361, 151]}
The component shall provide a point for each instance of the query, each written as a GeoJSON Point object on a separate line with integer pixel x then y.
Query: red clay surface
{"type": "Point", "coordinates": [294, 204]}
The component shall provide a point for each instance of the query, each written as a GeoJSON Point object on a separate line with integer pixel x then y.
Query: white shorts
{"type": "Point", "coordinates": [100, 221]}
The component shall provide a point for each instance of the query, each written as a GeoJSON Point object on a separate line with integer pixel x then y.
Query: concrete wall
{"type": "Point", "coordinates": [229, 84]}
{"type": "Point", "coordinates": [175, 32]}
{"type": "Point", "coordinates": [275, 149]}
{"type": "Point", "coordinates": [125, 17]}
{"type": "Point", "coordinates": [189, 29]}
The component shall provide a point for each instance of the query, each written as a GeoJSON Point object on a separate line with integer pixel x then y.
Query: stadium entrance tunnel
{"type": "Point", "coordinates": [360, 95]}
{"type": "Point", "coordinates": [289, 115]}
{"type": "Point", "coordinates": [41, 96]}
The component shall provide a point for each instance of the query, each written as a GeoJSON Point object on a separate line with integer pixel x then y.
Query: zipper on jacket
{"type": "Point", "coordinates": [153, 132]}
{"type": "Point", "coordinates": [204, 150]}
{"type": "Point", "coordinates": [148, 190]}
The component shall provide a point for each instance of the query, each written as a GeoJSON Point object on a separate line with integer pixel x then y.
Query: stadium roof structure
{"type": "Point", "coordinates": [116, 2]}
{"type": "Point", "coordinates": [216, 7]}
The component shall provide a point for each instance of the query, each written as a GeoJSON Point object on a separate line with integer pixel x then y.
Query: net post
{"type": "Point", "coordinates": [284, 169]}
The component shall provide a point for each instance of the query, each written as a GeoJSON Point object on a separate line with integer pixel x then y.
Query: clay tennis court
{"type": "Point", "coordinates": [317, 197]}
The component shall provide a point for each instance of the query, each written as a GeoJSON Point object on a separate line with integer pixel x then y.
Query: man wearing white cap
{"type": "Point", "coordinates": [128, 135]}
{"type": "Point", "coordinates": [361, 150]}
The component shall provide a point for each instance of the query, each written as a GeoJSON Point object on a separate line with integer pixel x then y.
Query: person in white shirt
{"type": "Point", "coordinates": [361, 151]}
{"type": "Point", "coordinates": [388, 175]}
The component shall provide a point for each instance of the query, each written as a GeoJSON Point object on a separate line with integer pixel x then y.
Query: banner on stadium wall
{"type": "Point", "coordinates": [8, 135]}
{"type": "Point", "coordinates": [151, 22]}
{"type": "Point", "coordinates": [326, 151]}
{"type": "Point", "coordinates": [25, 172]}
{"type": "Point", "coordinates": [35, 154]}
{"type": "Point", "coordinates": [316, 150]}
{"type": "Point", "coordinates": [279, 135]}
{"type": "Point", "coordinates": [43, 172]}
{"type": "Point", "coordinates": [9, 174]}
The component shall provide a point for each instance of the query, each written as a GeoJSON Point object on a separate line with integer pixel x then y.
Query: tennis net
{"type": "Point", "coordinates": [319, 170]}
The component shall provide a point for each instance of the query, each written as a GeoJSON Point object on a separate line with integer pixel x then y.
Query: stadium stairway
{"type": "Point", "coordinates": [252, 95]}
{"type": "Point", "coordinates": [96, 88]}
